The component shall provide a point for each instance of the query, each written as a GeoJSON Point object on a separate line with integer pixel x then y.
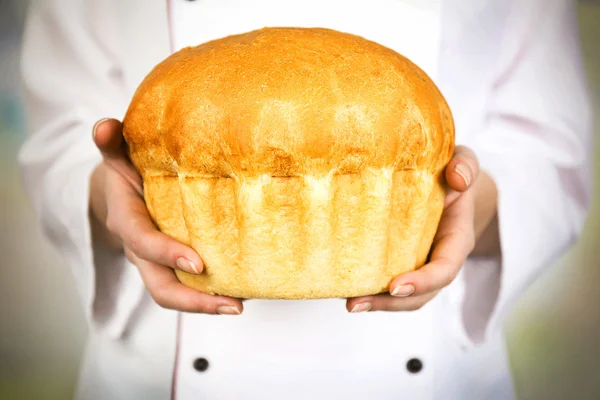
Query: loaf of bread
{"type": "Point", "coordinates": [300, 163]}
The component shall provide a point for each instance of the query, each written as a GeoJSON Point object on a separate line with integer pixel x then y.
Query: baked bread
{"type": "Point", "coordinates": [300, 163]}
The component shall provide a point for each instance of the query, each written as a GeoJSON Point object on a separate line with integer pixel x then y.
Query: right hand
{"type": "Point", "coordinates": [117, 203]}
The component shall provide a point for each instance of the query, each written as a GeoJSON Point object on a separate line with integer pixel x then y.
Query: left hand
{"type": "Point", "coordinates": [453, 242]}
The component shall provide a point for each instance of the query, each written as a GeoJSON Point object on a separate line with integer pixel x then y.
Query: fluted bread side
{"type": "Point", "coordinates": [294, 237]}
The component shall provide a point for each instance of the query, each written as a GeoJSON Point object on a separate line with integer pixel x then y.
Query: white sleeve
{"type": "Point", "coordinates": [71, 79]}
{"type": "Point", "coordinates": [536, 146]}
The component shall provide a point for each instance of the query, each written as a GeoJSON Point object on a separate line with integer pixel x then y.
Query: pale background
{"type": "Point", "coordinates": [553, 333]}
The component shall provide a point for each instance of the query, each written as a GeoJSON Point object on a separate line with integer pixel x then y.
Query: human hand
{"type": "Point", "coordinates": [453, 242]}
{"type": "Point", "coordinates": [117, 203]}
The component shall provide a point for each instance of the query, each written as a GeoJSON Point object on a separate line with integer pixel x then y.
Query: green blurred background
{"type": "Point", "coordinates": [553, 333]}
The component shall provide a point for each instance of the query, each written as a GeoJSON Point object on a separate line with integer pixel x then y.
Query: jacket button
{"type": "Point", "coordinates": [201, 364]}
{"type": "Point", "coordinates": [414, 365]}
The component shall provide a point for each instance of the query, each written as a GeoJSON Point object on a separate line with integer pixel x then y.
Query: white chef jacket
{"type": "Point", "coordinates": [511, 72]}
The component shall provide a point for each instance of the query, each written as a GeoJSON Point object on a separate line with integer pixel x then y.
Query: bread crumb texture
{"type": "Point", "coordinates": [300, 163]}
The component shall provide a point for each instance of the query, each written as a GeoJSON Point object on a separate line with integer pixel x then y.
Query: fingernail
{"type": "Point", "coordinates": [464, 172]}
{"type": "Point", "coordinates": [186, 265]}
{"type": "Point", "coordinates": [96, 126]}
{"type": "Point", "coordinates": [228, 310]}
{"type": "Point", "coordinates": [362, 307]}
{"type": "Point", "coordinates": [403, 290]}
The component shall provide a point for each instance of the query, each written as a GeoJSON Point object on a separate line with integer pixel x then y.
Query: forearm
{"type": "Point", "coordinates": [486, 217]}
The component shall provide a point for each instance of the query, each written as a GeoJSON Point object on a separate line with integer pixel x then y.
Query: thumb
{"type": "Point", "coordinates": [462, 170]}
{"type": "Point", "coordinates": [108, 137]}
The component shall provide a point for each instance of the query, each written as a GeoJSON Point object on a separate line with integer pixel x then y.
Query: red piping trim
{"type": "Point", "coordinates": [178, 329]}
{"type": "Point", "coordinates": [176, 364]}
{"type": "Point", "coordinates": [170, 25]}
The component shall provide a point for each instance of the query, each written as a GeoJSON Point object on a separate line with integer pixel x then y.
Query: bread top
{"type": "Point", "coordinates": [287, 102]}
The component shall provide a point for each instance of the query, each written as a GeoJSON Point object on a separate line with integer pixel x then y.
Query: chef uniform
{"type": "Point", "coordinates": [511, 72]}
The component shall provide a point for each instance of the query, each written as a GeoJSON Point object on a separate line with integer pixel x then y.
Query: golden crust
{"type": "Point", "coordinates": [299, 163]}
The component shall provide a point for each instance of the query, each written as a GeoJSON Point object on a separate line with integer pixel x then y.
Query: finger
{"type": "Point", "coordinates": [451, 197]}
{"type": "Point", "coordinates": [463, 169]}
{"type": "Point", "coordinates": [385, 302]}
{"type": "Point", "coordinates": [108, 137]}
{"type": "Point", "coordinates": [126, 172]}
{"type": "Point", "coordinates": [131, 221]}
{"type": "Point", "coordinates": [168, 292]}
{"type": "Point", "coordinates": [454, 241]}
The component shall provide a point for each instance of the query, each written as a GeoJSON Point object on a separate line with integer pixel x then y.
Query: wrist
{"type": "Point", "coordinates": [98, 210]}
{"type": "Point", "coordinates": [97, 198]}
{"type": "Point", "coordinates": [486, 216]}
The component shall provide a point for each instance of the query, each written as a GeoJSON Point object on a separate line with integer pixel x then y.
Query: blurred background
{"type": "Point", "coordinates": [553, 334]}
